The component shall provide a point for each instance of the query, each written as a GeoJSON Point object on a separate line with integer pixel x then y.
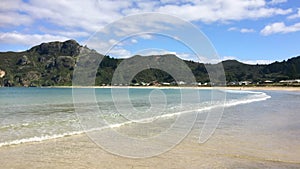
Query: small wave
{"type": "Point", "coordinates": [39, 139]}
{"type": "Point", "coordinates": [14, 126]}
{"type": "Point", "coordinates": [55, 136]}
{"type": "Point", "coordinates": [260, 96]}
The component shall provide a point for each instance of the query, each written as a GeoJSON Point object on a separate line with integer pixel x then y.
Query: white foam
{"type": "Point", "coordinates": [39, 139]}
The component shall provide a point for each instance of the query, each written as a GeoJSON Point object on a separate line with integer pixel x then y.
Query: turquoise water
{"type": "Point", "coordinates": [37, 114]}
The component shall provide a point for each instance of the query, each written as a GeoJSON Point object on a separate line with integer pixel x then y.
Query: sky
{"type": "Point", "coordinates": [251, 31]}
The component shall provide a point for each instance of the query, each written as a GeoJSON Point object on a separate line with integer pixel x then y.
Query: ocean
{"type": "Point", "coordinates": [261, 127]}
{"type": "Point", "coordinates": [37, 114]}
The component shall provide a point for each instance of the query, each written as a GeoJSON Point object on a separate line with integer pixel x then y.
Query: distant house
{"type": "Point", "coordinates": [268, 81]}
{"type": "Point", "coordinates": [166, 83]}
{"type": "Point", "coordinates": [154, 83]}
{"type": "Point", "coordinates": [195, 84]}
{"type": "Point", "coordinates": [232, 83]}
{"type": "Point", "coordinates": [181, 83]}
{"type": "Point", "coordinates": [290, 81]}
{"type": "Point", "coordinates": [244, 82]}
{"type": "Point", "coordinates": [143, 84]}
{"type": "Point", "coordinates": [297, 80]}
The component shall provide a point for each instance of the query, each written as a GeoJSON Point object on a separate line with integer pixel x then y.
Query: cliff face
{"type": "Point", "coordinates": [52, 64]}
{"type": "Point", "coordinates": [67, 48]}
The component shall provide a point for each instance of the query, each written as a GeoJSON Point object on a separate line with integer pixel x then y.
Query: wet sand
{"type": "Point", "coordinates": [80, 152]}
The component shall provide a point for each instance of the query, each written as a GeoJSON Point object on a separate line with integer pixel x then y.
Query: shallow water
{"type": "Point", "coordinates": [37, 114]}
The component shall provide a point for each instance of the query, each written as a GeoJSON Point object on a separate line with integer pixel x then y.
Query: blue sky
{"type": "Point", "coordinates": [252, 31]}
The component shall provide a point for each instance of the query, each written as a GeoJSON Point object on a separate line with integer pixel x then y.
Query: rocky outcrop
{"type": "Point", "coordinates": [50, 63]}
{"type": "Point", "coordinates": [23, 61]}
{"type": "Point", "coordinates": [2, 73]}
{"type": "Point", "coordinates": [67, 48]}
{"type": "Point", "coordinates": [65, 61]}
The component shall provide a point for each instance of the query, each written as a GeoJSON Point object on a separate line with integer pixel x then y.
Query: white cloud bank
{"type": "Point", "coordinates": [77, 18]}
{"type": "Point", "coordinates": [28, 39]}
{"type": "Point", "coordinates": [279, 27]}
{"type": "Point", "coordinates": [92, 15]}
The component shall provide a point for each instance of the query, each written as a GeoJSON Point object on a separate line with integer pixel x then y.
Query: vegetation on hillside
{"type": "Point", "coordinates": [52, 64]}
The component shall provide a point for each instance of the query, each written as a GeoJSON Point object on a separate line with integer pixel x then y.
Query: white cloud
{"type": "Point", "coordinates": [113, 42]}
{"type": "Point", "coordinates": [182, 55]}
{"type": "Point", "coordinates": [92, 15]}
{"type": "Point", "coordinates": [119, 52]}
{"type": "Point", "coordinates": [14, 19]}
{"type": "Point", "coordinates": [143, 25]}
{"type": "Point", "coordinates": [226, 10]}
{"type": "Point", "coordinates": [274, 2]}
{"type": "Point", "coordinates": [254, 62]}
{"type": "Point", "coordinates": [10, 14]}
{"type": "Point", "coordinates": [87, 15]}
{"type": "Point", "coordinates": [233, 29]}
{"type": "Point", "coordinates": [242, 30]}
{"type": "Point", "coordinates": [148, 52]}
{"type": "Point", "coordinates": [66, 33]}
{"type": "Point", "coordinates": [297, 15]}
{"type": "Point", "coordinates": [78, 18]}
{"type": "Point", "coordinates": [28, 39]}
{"type": "Point", "coordinates": [229, 58]}
{"type": "Point", "coordinates": [279, 27]}
{"type": "Point", "coordinates": [72, 34]}
{"type": "Point", "coordinates": [134, 41]}
{"type": "Point", "coordinates": [250, 62]}
{"type": "Point", "coordinates": [107, 47]}
{"type": "Point", "coordinates": [146, 36]}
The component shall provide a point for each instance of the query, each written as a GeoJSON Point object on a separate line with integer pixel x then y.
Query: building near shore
{"type": "Point", "coordinates": [290, 81]}
{"type": "Point", "coordinates": [268, 81]}
{"type": "Point", "coordinates": [244, 83]}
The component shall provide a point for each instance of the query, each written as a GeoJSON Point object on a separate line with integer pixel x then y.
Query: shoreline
{"type": "Point", "coordinates": [272, 88]}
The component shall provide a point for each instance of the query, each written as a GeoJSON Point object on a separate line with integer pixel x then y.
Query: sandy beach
{"type": "Point", "coordinates": [274, 88]}
{"type": "Point", "coordinates": [248, 88]}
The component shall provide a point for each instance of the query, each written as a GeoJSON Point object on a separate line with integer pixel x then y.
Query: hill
{"type": "Point", "coordinates": [52, 64]}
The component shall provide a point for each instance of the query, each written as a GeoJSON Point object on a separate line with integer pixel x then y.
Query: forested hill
{"type": "Point", "coordinates": [52, 64]}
